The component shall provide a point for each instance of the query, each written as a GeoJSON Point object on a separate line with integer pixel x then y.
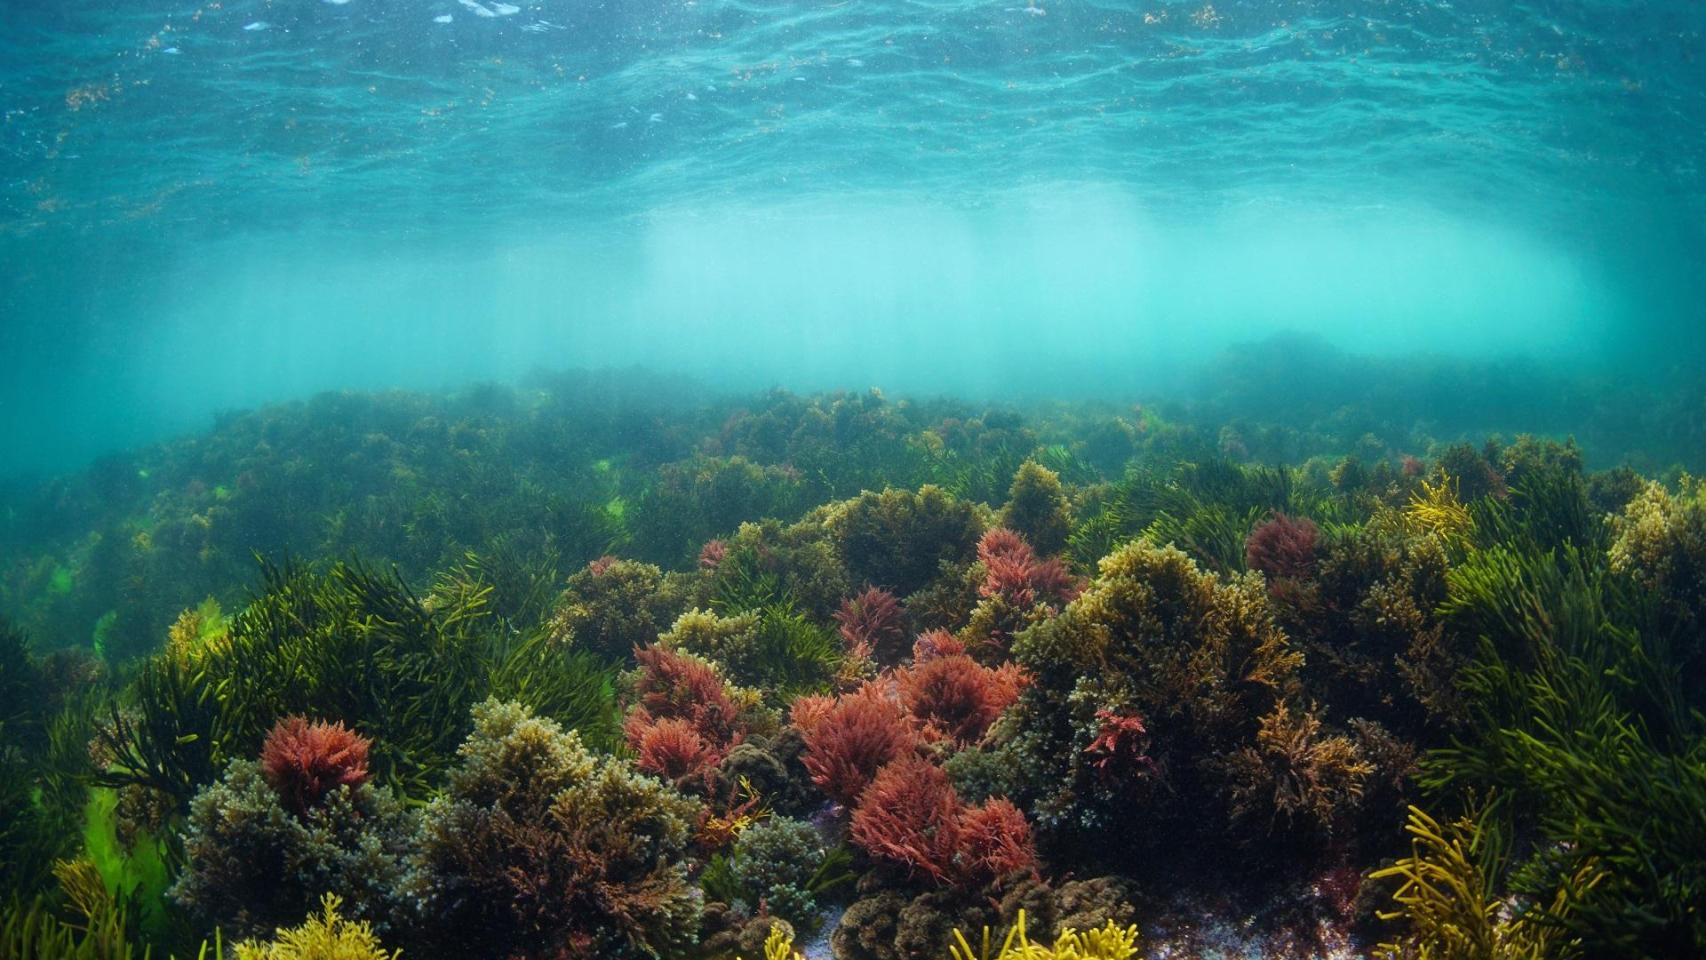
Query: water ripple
{"type": "Point", "coordinates": [376, 112]}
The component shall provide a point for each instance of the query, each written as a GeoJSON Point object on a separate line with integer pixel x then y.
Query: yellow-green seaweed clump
{"type": "Point", "coordinates": [1037, 508]}
{"type": "Point", "coordinates": [1110, 942]}
{"type": "Point", "coordinates": [327, 936]}
{"type": "Point", "coordinates": [1452, 913]}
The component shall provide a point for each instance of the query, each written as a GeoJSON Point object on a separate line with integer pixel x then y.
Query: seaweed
{"type": "Point", "coordinates": [349, 644]}
{"type": "Point", "coordinates": [1196, 661]}
{"type": "Point", "coordinates": [1447, 899]}
{"type": "Point", "coordinates": [1582, 721]}
{"type": "Point", "coordinates": [537, 847]}
{"type": "Point", "coordinates": [1107, 943]}
{"type": "Point", "coordinates": [934, 660]}
{"type": "Point", "coordinates": [327, 936]}
{"type": "Point", "coordinates": [898, 539]}
{"type": "Point", "coordinates": [40, 767]}
{"type": "Point", "coordinates": [1037, 508]}
{"type": "Point", "coordinates": [35, 930]}
{"type": "Point", "coordinates": [253, 864]}
{"type": "Point", "coordinates": [779, 863]}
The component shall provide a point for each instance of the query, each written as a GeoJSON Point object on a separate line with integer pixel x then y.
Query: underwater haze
{"type": "Point", "coordinates": [205, 208]}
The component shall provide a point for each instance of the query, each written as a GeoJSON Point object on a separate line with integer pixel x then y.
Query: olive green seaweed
{"type": "Point", "coordinates": [353, 645]}
{"type": "Point", "coordinates": [1581, 722]}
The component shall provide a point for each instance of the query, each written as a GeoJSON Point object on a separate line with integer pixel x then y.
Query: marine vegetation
{"type": "Point", "coordinates": [910, 816]}
{"type": "Point", "coordinates": [328, 936]}
{"type": "Point", "coordinates": [1584, 730]}
{"type": "Point", "coordinates": [352, 644]}
{"type": "Point", "coordinates": [1107, 943]}
{"type": "Point", "coordinates": [1159, 682]}
{"type": "Point", "coordinates": [537, 847]}
{"type": "Point", "coordinates": [1446, 900]}
{"type": "Point", "coordinates": [254, 861]}
{"type": "Point", "coordinates": [304, 761]}
{"type": "Point", "coordinates": [597, 671]}
{"type": "Point", "coordinates": [778, 863]}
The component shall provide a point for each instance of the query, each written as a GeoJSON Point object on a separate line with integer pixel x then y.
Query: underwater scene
{"type": "Point", "coordinates": [854, 480]}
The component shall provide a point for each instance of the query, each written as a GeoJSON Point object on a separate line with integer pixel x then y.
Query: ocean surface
{"type": "Point", "coordinates": [205, 207]}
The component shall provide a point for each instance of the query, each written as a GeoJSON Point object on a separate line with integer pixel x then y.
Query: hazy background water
{"type": "Point", "coordinates": [204, 207]}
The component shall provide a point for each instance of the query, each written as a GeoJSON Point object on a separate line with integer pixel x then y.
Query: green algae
{"type": "Point", "coordinates": [135, 870]}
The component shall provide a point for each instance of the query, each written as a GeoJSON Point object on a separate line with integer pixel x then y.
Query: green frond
{"type": "Point", "coordinates": [32, 931]}
{"type": "Point", "coordinates": [1211, 534]}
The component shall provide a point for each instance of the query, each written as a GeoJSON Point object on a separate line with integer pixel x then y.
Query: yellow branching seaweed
{"type": "Point", "coordinates": [1656, 528]}
{"type": "Point", "coordinates": [1437, 510]}
{"type": "Point", "coordinates": [85, 891]}
{"type": "Point", "coordinates": [33, 931]}
{"type": "Point", "coordinates": [779, 945]}
{"type": "Point", "coordinates": [1108, 943]}
{"type": "Point", "coordinates": [719, 830]}
{"type": "Point", "coordinates": [325, 937]}
{"type": "Point", "coordinates": [198, 632]}
{"type": "Point", "coordinates": [1451, 913]}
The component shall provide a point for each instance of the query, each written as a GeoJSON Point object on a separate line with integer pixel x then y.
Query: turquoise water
{"type": "Point", "coordinates": [206, 207]}
{"type": "Point", "coordinates": [594, 478]}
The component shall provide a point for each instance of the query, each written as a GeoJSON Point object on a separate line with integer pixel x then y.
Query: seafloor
{"type": "Point", "coordinates": [610, 667]}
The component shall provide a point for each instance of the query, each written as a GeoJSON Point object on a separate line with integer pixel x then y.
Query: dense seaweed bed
{"type": "Point", "coordinates": [608, 668]}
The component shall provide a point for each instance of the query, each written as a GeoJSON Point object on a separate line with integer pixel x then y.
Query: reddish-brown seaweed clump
{"type": "Point", "coordinates": [1283, 547]}
{"type": "Point", "coordinates": [873, 626]}
{"type": "Point", "coordinates": [911, 816]}
{"type": "Point", "coordinates": [304, 761]}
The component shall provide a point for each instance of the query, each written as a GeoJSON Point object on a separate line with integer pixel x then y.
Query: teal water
{"type": "Point", "coordinates": [590, 478]}
{"type": "Point", "coordinates": [207, 207]}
